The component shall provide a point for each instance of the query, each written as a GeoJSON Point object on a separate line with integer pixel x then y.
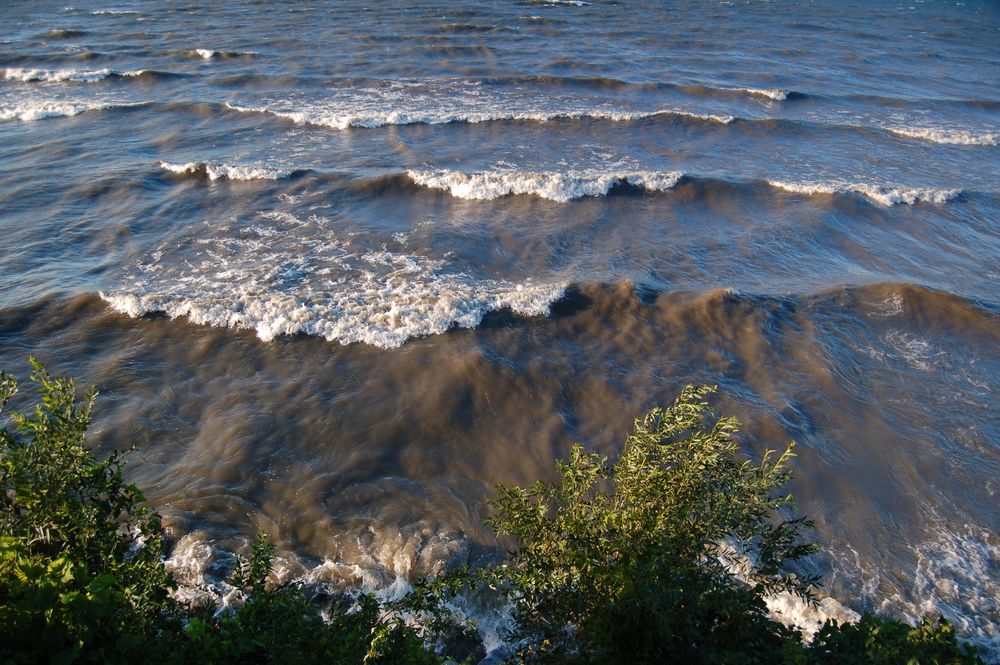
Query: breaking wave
{"type": "Point", "coordinates": [554, 186]}
{"type": "Point", "coordinates": [74, 75]}
{"type": "Point", "coordinates": [881, 194]}
{"type": "Point", "coordinates": [219, 171]}
{"type": "Point", "coordinates": [947, 136]}
{"type": "Point", "coordinates": [212, 54]}
{"type": "Point", "coordinates": [316, 283]}
{"type": "Point", "coordinates": [775, 94]}
{"type": "Point", "coordinates": [39, 110]}
{"type": "Point", "coordinates": [346, 119]}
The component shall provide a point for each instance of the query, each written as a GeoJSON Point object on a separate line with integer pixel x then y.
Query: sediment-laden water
{"type": "Point", "coordinates": [337, 269]}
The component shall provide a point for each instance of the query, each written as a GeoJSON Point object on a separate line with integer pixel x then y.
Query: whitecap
{"type": "Point", "coordinates": [775, 94]}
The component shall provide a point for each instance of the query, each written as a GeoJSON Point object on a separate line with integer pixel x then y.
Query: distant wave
{"type": "Point", "coordinates": [39, 110]}
{"type": "Point", "coordinates": [219, 171]}
{"type": "Point", "coordinates": [947, 136]}
{"type": "Point", "coordinates": [63, 33]}
{"type": "Point", "coordinates": [775, 94]}
{"type": "Point", "coordinates": [554, 186]}
{"type": "Point", "coordinates": [465, 28]}
{"type": "Point", "coordinates": [881, 194]}
{"type": "Point", "coordinates": [113, 12]}
{"type": "Point", "coordinates": [76, 75]}
{"type": "Point", "coordinates": [607, 83]}
{"type": "Point", "coordinates": [210, 54]}
{"type": "Point", "coordinates": [371, 119]}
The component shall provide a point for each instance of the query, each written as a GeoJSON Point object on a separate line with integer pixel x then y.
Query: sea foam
{"type": "Point", "coordinates": [554, 186]}
{"type": "Point", "coordinates": [775, 94]}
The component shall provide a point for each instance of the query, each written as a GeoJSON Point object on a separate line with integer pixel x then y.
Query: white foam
{"type": "Point", "coordinates": [205, 53]}
{"type": "Point", "coordinates": [554, 186]}
{"type": "Point", "coordinates": [786, 607]}
{"type": "Point", "coordinates": [947, 136]}
{"type": "Point", "coordinates": [308, 280]}
{"type": "Point", "coordinates": [347, 118]}
{"type": "Point", "coordinates": [113, 12]}
{"type": "Point", "coordinates": [378, 562]}
{"type": "Point", "coordinates": [881, 194]}
{"type": "Point", "coordinates": [954, 577]}
{"type": "Point", "coordinates": [37, 110]}
{"type": "Point", "coordinates": [793, 611]}
{"type": "Point", "coordinates": [219, 171]}
{"type": "Point", "coordinates": [889, 307]}
{"type": "Point", "coordinates": [916, 351]}
{"type": "Point", "coordinates": [62, 75]}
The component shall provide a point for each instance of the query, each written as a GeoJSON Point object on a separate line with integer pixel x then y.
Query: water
{"type": "Point", "coordinates": [337, 269]}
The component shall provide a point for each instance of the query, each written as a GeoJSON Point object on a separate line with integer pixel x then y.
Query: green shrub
{"type": "Point", "coordinates": [81, 577]}
{"type": "Point", "coordinates": [667, 554]}
{"type": "Point", "coordinates": [622, 562]}
{"type": "Point", "coordinates": [875, 641]}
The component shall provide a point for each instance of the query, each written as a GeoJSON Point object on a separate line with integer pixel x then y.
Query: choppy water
{"type": "Point", "coordinates": [337, 269]}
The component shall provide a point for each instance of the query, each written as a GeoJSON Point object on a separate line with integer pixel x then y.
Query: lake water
{"type": "Point", "coordinates": [339, 268]}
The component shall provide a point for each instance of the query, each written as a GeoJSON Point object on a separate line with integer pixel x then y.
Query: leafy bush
{"type": "Point", "coordinates": [626, 561]}
{"type": "Point", "coordinates": [667, 554]}
{"type": "Point", "coordinates": [875, 641]}
{"type": "Point", "coordinates": [81, 578]}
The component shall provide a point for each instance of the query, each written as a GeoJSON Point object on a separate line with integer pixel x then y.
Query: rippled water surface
{"type": "Point", "coordinates": [339, 268]}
